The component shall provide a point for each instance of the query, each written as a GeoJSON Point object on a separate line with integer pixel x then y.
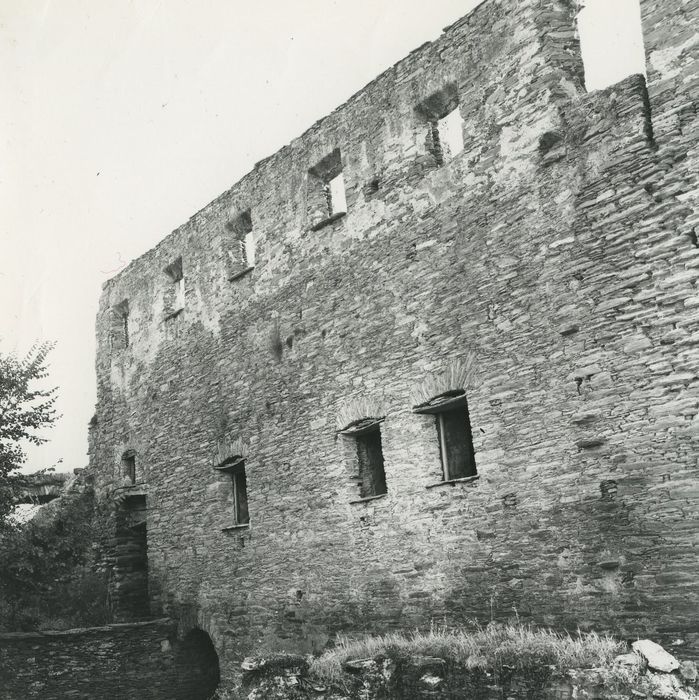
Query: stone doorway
{"type": "Point", "coordinates": [129, 580]}
{"type": "Point", "coordinates": [198, 672]}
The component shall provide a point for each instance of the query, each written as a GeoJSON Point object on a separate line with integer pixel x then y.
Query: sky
{"type": "Point", "coordinates": [119, 119]}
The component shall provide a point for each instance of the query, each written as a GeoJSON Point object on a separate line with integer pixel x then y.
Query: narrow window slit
{"type": "Point", "coordinates": [119, 335]}
{"type": "Point", "coordinates": [230, 459]}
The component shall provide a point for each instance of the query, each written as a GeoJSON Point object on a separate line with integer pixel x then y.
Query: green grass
{"type": "Point", "coordinates": [494, 647]}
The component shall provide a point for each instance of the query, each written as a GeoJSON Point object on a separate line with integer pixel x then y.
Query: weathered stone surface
{"type": "Point", "coordinates": [138, 661]}
{"type": "Point", "coordinates": [663, 685]}
{"type": "Point", "coordinates": [656, 657]}
{"type": "Point", "coordinates": [369, 680]}
{"type": "Point", "coordinates": [629, 659]}
{"type": "Point", "coordinates": [495, 251]}
{"type": "Point", "coordinates": [688, 671]}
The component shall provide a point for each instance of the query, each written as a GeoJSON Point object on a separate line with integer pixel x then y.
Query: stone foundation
{"type": "Point", "coordinates": [137, 661]}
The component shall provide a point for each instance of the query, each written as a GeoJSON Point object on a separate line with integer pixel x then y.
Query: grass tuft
{"type": "Point", "coordinates": [494, 647]}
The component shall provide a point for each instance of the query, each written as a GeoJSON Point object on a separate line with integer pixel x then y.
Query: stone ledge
{"type": "Point", "coordinates": [330, 220]}
{"type": "Point", "coordinates": [369, 498]}
{"type": "Point", "coordinates": [242, 526]}
{"type": "Point", "coordinates": [78, 631]}
{"type": "Point", "coordinates": [240, 274]}
{"type": "Point", "coordinates": [453, 482]}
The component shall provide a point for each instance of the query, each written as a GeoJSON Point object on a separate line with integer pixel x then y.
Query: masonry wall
{"type": "Point", "coordinates": [558, 247]}
{"type": "Point", "coordinates": [139, 661]}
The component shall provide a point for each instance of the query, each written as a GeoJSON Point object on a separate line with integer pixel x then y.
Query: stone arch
{"type": "Point", "coordinates": [197, 666]}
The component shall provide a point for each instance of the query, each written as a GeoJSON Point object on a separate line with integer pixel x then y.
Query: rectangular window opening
{"type": "Point", "coordinates": [371, 465]}
{"type": "Point", "coordinates": [455, 444]}
{"type": "Point", "coordinates": [326, 197]}
{"type": "Point", "coordinates": [119, 336]}
{"type": "Point", "coordinates": [241, 254]}
{"type": "Point", "coordinates": [611, 41]}
{"type": "Point", "coordinates": [445, 125]}
{"type": "Point", "coordinates": [450, 135]}
{"type": "Point", "coordinates": [240, 495]}
{"type": "Point", "coordinates": [128, 467]}
{"type": "Point", "coordinates": [176, 296]}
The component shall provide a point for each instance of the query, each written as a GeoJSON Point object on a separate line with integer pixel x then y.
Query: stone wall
{"type": "Point", "coordinates": [288, 677]}
{"type": "Point", "coordinates": [558, 249]}
{"type": "Point", "coordinates": [139, 661]}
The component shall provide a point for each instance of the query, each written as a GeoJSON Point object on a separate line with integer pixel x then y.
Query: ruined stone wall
{"type": "Point", "coordinates": [139, 661]}
{"type": "Point", "coordinates": [558, 248]}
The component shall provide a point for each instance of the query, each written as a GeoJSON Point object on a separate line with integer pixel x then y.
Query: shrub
{"type": "Point", "coordinates": [47, 580]}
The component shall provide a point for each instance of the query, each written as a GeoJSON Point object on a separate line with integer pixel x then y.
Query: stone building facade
{"type": "Point", "coordinates": [472, 234]}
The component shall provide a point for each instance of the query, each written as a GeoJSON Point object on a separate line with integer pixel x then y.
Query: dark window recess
{"type": "Point", "coordinates": [455, 444]}
{"type": "Point", "coordinates": [119, 335]}
{"type": "Point", "coordinates": [240, 495]}
{"type": "Point", "coordinates": [128, 466]}
{"type": "Point", "coordinates": [370, 460]}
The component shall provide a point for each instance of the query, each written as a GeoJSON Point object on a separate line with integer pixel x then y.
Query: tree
{"type": "Point", "coordinates": [24, 410]}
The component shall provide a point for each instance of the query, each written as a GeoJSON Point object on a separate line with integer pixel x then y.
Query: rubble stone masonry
{"type": "Point", "coordinates": [559, 250]}
{"type": "Point", "coordinates": [136, 661]}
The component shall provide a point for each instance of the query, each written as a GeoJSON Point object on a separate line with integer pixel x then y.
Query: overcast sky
{"type": "Point", "coordinates": [121, 118]}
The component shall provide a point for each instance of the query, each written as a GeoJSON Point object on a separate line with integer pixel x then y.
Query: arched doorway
{"type": "Point", "coordinates": [197, 666]}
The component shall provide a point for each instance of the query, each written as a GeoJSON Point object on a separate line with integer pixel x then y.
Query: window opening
{"type": "Point", "coordinates": [326, 197]}
{"type": "Point", "coordinates": [453, 424]}
{"type": "Point", "coordinates": [241, 515]}
{"type": "Point", "coordinates": [128, 580]}
{"type": "Point", "coordinates": [445, 132]}
{"type": "Point", "coordinates": [365, 433]}
{"type": "Point", "coordinates": [242, 255]}
{"type": "Point", "coordinates": [455, 445]}
{"type": "Point", "coordinates": [176, 274]}
{"type": "Point", "coordinates": [235, 466]}
{"type": "Point", "coordinates": [119, 336]}
{"type": "Point", "coordinates": [128, 466]}
{"type": "Point", "coordinates": [249, 249]}
{"type": "Point", "coordinates": [447, 136]}
{"type": "Point", "coordinates": [371, 465]}
{"type": "Point", "coordinates": [230, 457]}
{"type": "Point", "coordinates": [338, 200]}
{"type": "Point", "coordinates": [611, 41]}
